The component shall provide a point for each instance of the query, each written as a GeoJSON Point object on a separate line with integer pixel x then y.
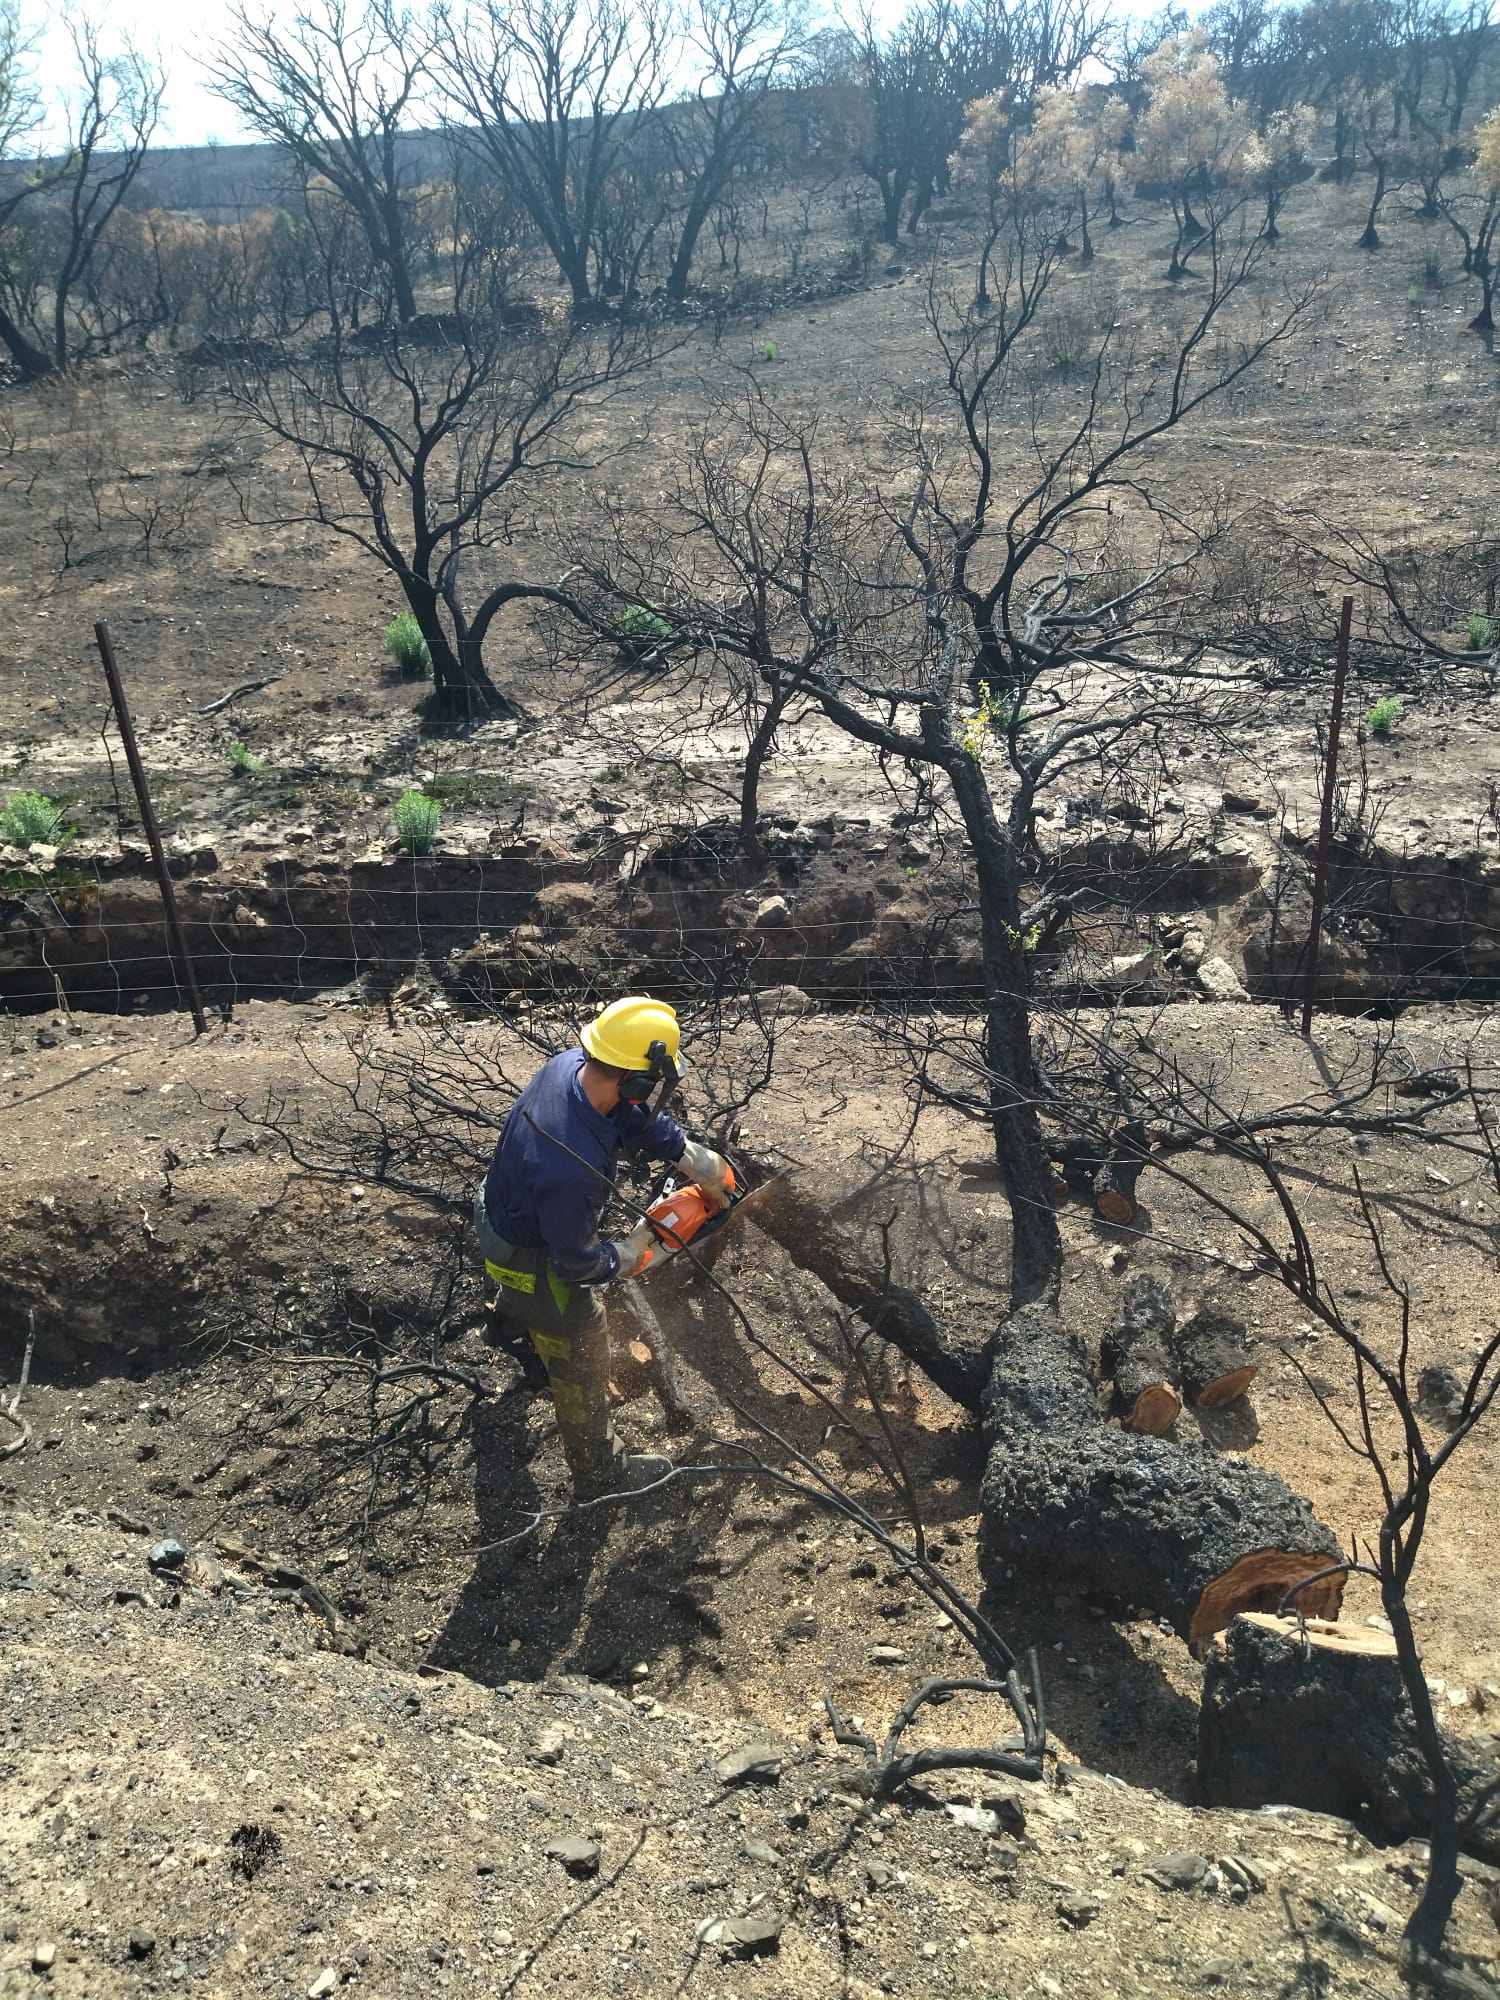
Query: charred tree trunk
{"type": "Point", "coordinates": [1320, 1719]}
{"type": "Point", "coordinates": [1214, 1364]}
{"type": "Point", "coordinates": [794, 1214]}
{"type": "Point", "coordinates": [33, 362]}
{"type": "Point", "coordinates": [1127, 1519]}
{"type": "Point", "coordinates": [1136, 1353]}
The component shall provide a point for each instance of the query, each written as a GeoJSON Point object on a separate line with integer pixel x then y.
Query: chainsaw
{"type": "Point", "coordinates": [684, 1216]}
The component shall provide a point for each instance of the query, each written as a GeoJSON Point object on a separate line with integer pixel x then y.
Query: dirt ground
{"type": "Point", "coordinates": [130, 1180]}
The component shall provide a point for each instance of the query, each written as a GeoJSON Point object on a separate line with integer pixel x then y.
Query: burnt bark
{"type": "Point", "coordinates": [1321, 1720]}
{"type": "Point", "coordinates": [794, 1214]}
{"type": "Point", "coordinates": [1136, 1353]}
{"type": "Point", "coordinates": [1128, 1519]}
{"type": "Point", "coordinates": [1213, 1359]}
{"type": "Point", "coordinates": [1114, 1182]}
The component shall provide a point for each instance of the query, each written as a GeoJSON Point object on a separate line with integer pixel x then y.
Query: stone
{"type": "Point", "coordinates": [1216, 1971]}
{"type": "Point", "coordinates": [750, 1937]}
{"type": "Point", "coordinates": [577, 1855]}
{"type": "Point", "coordinates": [1008, 1810]}
{"type": "Point", "coordinates": [881, 1875]}
{"type": "Point", "coordinates": [142, 1943]}
{"type": "Point", "coordinates": [759, 1763]}
{"type": "Point", "coordinates": [1178, 1871]}
{"type": "Point", "coordinates": [758, 1850]}
{"type": "Point", "coordinates": [549, 1745]}
{"type": "Point", "coordinates": [887, 1656]}
{"type": "Point", "coordinates": [43, 1957]}
{"type": "Point", "coordinates": [1192, 951]}
{"type": "Point", "coordinates": [1079, 1909]}
{"type": "Point", "coordinates": [169, 1554]}
{"type": "Point", "coordinates": [1218, 980]}
{"type": "Point", "coordinates": [771, 912]}
{"type": "Point", "coordinates": [325, 1983]}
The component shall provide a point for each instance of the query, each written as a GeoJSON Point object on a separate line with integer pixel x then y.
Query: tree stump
{"type": "Point", "coordinates": [1213, 1360]}
{"type": "Point", "coordinates": [1136, 1355]}
{"type": "Point", "coordinates": [1130, 1519]}
{"type": "Point", "coordinates": [1319, 1719]}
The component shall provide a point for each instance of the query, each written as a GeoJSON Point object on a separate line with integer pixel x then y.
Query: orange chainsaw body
{"type": "Point", "coordinates": [678, 1217]}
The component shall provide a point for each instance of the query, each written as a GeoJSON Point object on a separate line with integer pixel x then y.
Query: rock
{"type": "Point", "coordinates": [1008, 1811]}
{"type": "Point", "coordinates": [758, 1762]}
{"type": "Point", "coordinates": [142, 1943]}
{"type": "Point", "coordinates": [1130, 969]}
{"type": "Point", "coordinates": [774, 910]}
{"type": "Point", "coordinates": [1218, 980]}
{"type": "Point", "coordinates": [758, 1850]}
{"type": "Point", "coordinates": [325, 1983]}
{"type": "Point", "coordinates": [750, 1937]}
{"type": "Point", "coordinates": [548, 1747]}
{"type": "Point", "coordinates": [1248, 802]}
{"type": "Point", "coordinates": [1178, 1871]}
{"type": "Point", "coordinates": [887, 1656]}
{"type": "Point", "coordinates": [1192, 951]}
{"type": "Point", "coordinates": [1216, 1971]}
{"type": "Point", "coordinates": [1078, 1910]}
{"type": "Point", "coordinates": [43, 1957]}
{"type": "Point", "coordinates": [206, 1572]}
{"type": "Point", "coordinates": [169, 1554]}
{"type": "Point", "coordinates": [577, 1855]}
{"type": "Point", "coordinates": [881, 1875]}
{"type": "Point", "coordinates": [790, 1001]}
{"type": "Point", "coordinates": [1440, 1398]}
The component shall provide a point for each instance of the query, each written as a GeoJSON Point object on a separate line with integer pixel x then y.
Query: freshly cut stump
{"type": "Point", "coordinates": [793, 1212]}
{"type": "Point", "coordinates": [1319, 1719]}
{"type": "Point", "coordinates": [1213, 1359]}
{"type": "Point", "coordinates": [1129, 1519]}
{"type": "Point", "coordinates": [1136, 1355]}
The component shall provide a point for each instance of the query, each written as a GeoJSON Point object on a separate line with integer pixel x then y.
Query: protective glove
{"type": "Point", "coordinates": [709, 1169]}
{"type": "Point", "coordinates": [636, 1250]}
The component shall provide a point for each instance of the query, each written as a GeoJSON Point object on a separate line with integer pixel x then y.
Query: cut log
{"type": "Point", "coordinates": [1104, 1175]}
{"type": "Point", "coordinates": [1320, 1719]}
{"type": "Point", "coordinates": [1213, 1359]}
{"type": "Point", "coordinates": [1129, 1519]}
{"type": "Point", "coordinates": [1115, 1179]}
{"type": "Point", "coordinates": [1135, 1353]}
{"type": "Point", "coordinates": [793, 1212]}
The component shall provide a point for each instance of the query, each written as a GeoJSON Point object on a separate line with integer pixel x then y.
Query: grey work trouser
{"type": "Point", "coordinates": [567, 1329]}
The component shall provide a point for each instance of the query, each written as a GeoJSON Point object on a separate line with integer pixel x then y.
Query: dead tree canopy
{"type": "Point", "coordinates": [1126, 1519]}
{"type": "Point", "coordinates": [1316, 1716]}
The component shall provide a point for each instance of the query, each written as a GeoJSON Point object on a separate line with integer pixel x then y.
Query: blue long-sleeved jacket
{"type": "Point", "coordinates": [536, 1197]}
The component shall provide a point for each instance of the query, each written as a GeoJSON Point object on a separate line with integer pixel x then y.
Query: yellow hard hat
{"type": "Point", "coordinates": [622, 1035]}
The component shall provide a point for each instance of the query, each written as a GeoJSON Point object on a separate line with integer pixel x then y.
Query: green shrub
{"type": "Point", "coordinates": [640, 628]}
{"type": "Point", "coordinates": [1482, 632]}
{"type": "Point", "coordinates": [244, 761]}
{"type": "Point", "coordinates": [769, 350]}
{"type": "Point", "coordinates": [30, 817]}
{"type": "Point", "coordinates": [1432, 270]}
{"type": "Point", "coordinates": [407, 647]}
{"type": "Point", "coordinates": [1412, 295]}
{"type": "Point", "coordinates": [417, 820]}
{"type": "Point", "coordinates": [1384, 716]}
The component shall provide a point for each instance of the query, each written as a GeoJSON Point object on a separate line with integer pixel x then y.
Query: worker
{"type": "Point", "coordinates": [537, 1215]}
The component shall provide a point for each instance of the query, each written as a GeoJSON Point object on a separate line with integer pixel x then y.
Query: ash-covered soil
{"type": "Point", "coordinates": [199, 1302]}
{"type": "Point", "coordinates": [198, 1796]}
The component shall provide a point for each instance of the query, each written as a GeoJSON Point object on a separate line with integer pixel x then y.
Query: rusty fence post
{"type": "Point", "coordinates": [178, 942]}
{"type": "Point", "coordinates": [1325, 816]}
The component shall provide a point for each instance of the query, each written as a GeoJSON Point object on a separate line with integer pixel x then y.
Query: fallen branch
{"type": "Point", "coordinates": [11, 1410]}
{"type": "Point", "coordinates": [891, 1767]}
{"type": "Point", "coordinates": [249, 687]}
